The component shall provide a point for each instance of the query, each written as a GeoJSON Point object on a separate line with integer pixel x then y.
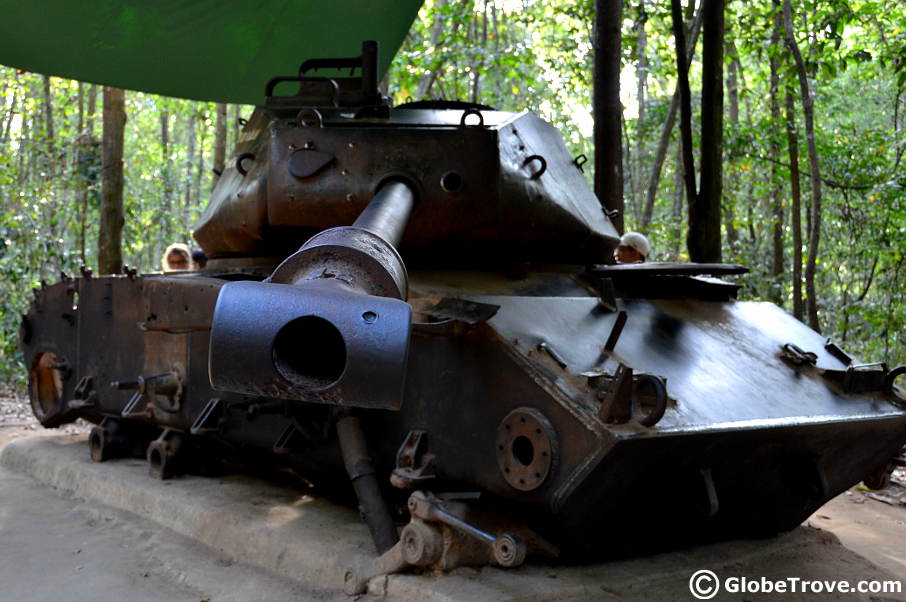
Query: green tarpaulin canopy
{"type": "Point", "coordinates": [216, 50]}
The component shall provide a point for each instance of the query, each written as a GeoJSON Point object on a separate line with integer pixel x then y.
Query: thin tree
{"type": "Point", "coordinates": [87, 163]}
{"type": "Point", "coordinates": [10, 113]}
{"type": "Point", "coordinates": [660, 154]}
{"type": "Point", "coordinates": [641, 70]}
{"type": "Point", "coordinates": [792, 137]}
{"type": "Point", "coordinates": [685, 101]}
{"type": "Point", "coordinates": [81, 101]}
{"type": "Point", "coordinates": [48, 113]}
{"type": "Point", "coordinates": [51, 217]}
{"type": "Point", "coordinates": [220, 141]}
{"type": "Point", "coordinates": [232, 126]}
{"type": "Point", "coordinates": [734, 74]}
{"type": "Point", "coordinates": [677, 209]}
{"type": "Point", "coordinates": [776, 184]}
{"type": "Point", "coordinates": [703, 239]}
{"type": "Point", "coordinates": [815, 175]}
{"type": "Point", "coordinates": [92, 107]}
{"type": "Point", "coordinates": [608, 110]}
{"type": "Point", "coordinates": [110, 252]}
{"type": "Point", "coordinates": [188, 178]}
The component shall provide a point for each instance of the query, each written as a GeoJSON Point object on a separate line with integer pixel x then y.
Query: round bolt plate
{"type": "Point", "coordinates": [526, 448]}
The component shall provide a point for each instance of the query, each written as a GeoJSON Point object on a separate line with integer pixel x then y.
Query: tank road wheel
{"type": "Point", "coordinates": [163, 455]}
{"type": "Point", "coordinates": [160, 461]}
{"type": "Point", "coordinates": [109, 440]}
{"type": "Point", "coordinates": [98, 444]}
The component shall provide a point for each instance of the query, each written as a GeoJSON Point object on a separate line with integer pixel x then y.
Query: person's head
{"type": "Point", "coordinates": [633, 248]}
{"type": "Point", "coordinates": [176, 257]}
{"type": "Point", "coordinates": [199, 259]}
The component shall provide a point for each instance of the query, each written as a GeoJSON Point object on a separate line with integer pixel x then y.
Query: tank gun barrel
{"type": "Point", "coordinates": [388, 213]}
{"type": "Point", "coordinates": [331, 323]}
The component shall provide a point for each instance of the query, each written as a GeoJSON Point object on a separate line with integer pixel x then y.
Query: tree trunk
{"type": "Point", "coordinates": [733, 75]}
{"type": "Point", "coordinates": [220, 137]}
{"type": "Point", "coordinates": [478, 63]}
{"type": "Point", "coordinates": [81, 125]}
{"type": "Point", "coordinates": [628, 174]}
{"type": "Point", "coordinates": [677, 203]}
{"type": "Point", "coordinates": [896, 121]}
{"type": "Point", "coordinates": [682, 85]}
{"type": "Point", "coordinates": [7, 127]}
{"type": "Point", "coordinates": [110, 253]}
{"type": "Point", "coordinates": [792, 137]}
{"type": "Point", "coordinates": [86, 169]}
{"type": "Point", "coordinates": [190, 161]}
{"type": "Point", "coordinates": [48, 113]}
{"type": "Point", "coordinates": [22, 166]}
{"type": "Point", "coordinates": [92, 107]}
{"type": "Point", "coordinates": [167, 170]}
{"type": "Point", "coordinates": [776, 184]}
{"type": "Point", "coordinates": [48, 142]}
{"type": "Point", "coordinates": [165, 136]}
{"type": "Point", "coordinates": [608, 110]}
{"type": "Point", "coordinates": [703, 239]}
{"type": "Point", "coordinates": [495, 27]}
{"type": "Point", "coordinates": [815, 176]}
{"type": "Point", "coordinates": [199, 172]}
{"type": "Point", "coordinates": [641, 86]}
{"type": "Point", "coordinates": [427, 79]}
{"type": "Point", "coordinates": [733, 83]}
{"type": "Point", "coordinates": [234, 128]}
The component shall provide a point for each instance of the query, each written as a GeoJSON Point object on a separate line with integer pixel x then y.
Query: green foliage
{"type": "Point", "coordinates": [49, 186]}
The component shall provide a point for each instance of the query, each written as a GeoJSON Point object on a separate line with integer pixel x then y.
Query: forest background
{"type": "Point", "coordinates": [523, 54]}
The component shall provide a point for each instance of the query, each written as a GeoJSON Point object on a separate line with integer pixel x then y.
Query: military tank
{"type": "Point", "coordinates": [452, 340]}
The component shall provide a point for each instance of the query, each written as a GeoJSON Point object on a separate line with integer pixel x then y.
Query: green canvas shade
{"type": "Point", "coordinates": [215, 50]}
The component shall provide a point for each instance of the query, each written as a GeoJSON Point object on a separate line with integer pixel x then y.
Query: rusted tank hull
{"type": "Point", "coordinates": [748, 444]}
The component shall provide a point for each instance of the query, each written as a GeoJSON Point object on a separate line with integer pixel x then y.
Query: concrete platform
{"type": "Point", "coordinates": [313, 541]}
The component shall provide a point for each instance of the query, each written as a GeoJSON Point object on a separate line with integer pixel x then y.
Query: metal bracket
{"type": "Point", "coordinates": [797, 356]}
{"type": "Point", "coordinates": [436, 537]}
{"type": "Point", "coordinates": [150, 389]}
{"type": "Point", "coordinates": [414, 465]}
{"type": "Point", "coordinates": [84, 395]}
{"type": "Point", "coordinates": [616, 399]}
{"type": "Point", "coordinates": [622, 396]}
{"type": "Point", "coordinates": [553, 353]}
{"type": "Point", "coordinates": [873, 377]}
{"type": "Point", "coordinates": [211, 418]}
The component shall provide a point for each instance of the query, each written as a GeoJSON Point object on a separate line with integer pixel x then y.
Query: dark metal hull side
{"type": "Point", "coordinates": [776, 443]}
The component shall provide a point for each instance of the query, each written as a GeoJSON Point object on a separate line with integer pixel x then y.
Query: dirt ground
{"type": "Point", "coordinates": [54, 546]}
{"type": "Point", "coordinates": [124, 556]}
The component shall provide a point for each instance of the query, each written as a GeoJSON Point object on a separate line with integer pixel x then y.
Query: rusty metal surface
{"type": "Point", "coordinates": [477, 195]}
{"type": "Point", "coordinates": [745, 411]}
{"type": "Point", "coordinates": [721, 361]}
{"type": "Point", "coordinates": [366, 371]}
{"type": "Point", "coordinates": [337, 332]}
